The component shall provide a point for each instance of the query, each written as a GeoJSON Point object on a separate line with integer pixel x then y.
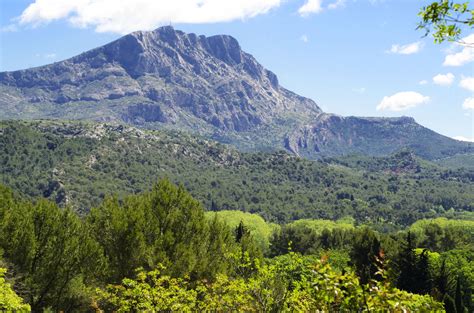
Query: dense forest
{"type": "Point", "coordinates": [77, 163]}
{"type": "Point", "coordinates": [160, 250]}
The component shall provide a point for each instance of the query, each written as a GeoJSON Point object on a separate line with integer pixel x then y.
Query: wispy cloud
{"type": "Point", "coordinates": [337, 4]}
{"type": "Point", "coordinates": [402, 101]}
{"type": "Point", "coordinates": [410, 48]}
{"type": "Point", "coordinates": [304, 38]}
{"type": "Point", "coordinates": [11, 28]}
{"type": "Point", "coordinates": [423, 82]}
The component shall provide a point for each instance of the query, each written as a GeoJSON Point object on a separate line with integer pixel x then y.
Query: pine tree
{"type": "Point", "coordinates": [250, 252]}
{"type": "Point", "coordinates": [458, 297]}
{"type": "Point", "coordinates": [443, 281]}
{"type": "Point", "coordinates": [449, 305]}
{"type": "Point", "coordinates": [221, 243]}
{"type": "Point", "coordinates": [364, 252]}
{"type": "Point", "coordinates": [423, 275]}
{"type": "Point", "coordinates": [240, 232]}
{"type": "Point", "coordinates": [52, 252]}
{"type": "Point", "coordinates": [407, 266]}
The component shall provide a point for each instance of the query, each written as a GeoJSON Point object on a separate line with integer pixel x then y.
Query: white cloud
{"type": "Point", "coordinates": [468, 103]}
{"type": "Point", "coordinates": [410, 48]}
{"type": "Point", "coordinates": [304, 38]}
{"type": "Point", "coordinates": [466, 55]}
{"type": "Point", "coordinates": [336, 5]}
{"type": "Point", "coordinates": [460, 58]}
{"type": "Point", "coordinates": [462, 138]}
{"type": "Point", "coordinates": [310, 7]}
{"type": "Point", "coordinates": [402, 101]}
{"type": "Point", "coordinates": [467, 83]}
{"type": "Point", "coordinates": [423, 82]}
{"type": "Point", "coordinates": [130, 15]}
{"type": "Point", "coordinates": [443, 80]}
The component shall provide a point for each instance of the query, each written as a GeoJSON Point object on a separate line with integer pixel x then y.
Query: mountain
{"type": "Point", "coordinates": [336, 135]}
{"type": "Point", "coordinates": [78, 163]}
{"type": "Point", "coordinates": [167, 79]}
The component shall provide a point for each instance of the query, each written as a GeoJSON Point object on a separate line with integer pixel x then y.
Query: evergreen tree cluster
{"type": "Point", "coordinates": [159, 250]}
{"type": "Point", "coordinates": [77, 164]}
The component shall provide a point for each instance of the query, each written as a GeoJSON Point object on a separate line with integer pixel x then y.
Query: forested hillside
{"type": "Point", "coordinates": [77, 164]}
{"type": "Point", "coordinates": [159, 251]}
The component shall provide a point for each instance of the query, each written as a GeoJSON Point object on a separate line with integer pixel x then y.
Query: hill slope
{"type": "Point", "coordinates": [78, 163]}
{"type": "Point", "coordinates": [167, 79]}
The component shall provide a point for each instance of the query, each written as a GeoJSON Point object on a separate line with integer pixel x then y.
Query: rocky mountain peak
{"type": "Point", "coordinates": [163, 76]}
{"type": "Point", "coordinates": [207, 85]}
{"type": "Point", "coordinates": [166, 49]}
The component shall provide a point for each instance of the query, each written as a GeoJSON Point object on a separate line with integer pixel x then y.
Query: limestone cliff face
{"type": "Point", "coordinates": [160, 76]}
{"type": "Point", "coordinates": [205, 85]}
{"type": "Point", "coordinates": [334, 135]}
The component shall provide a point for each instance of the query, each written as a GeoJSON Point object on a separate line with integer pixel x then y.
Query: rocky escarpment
{"type": "Point", "coordinates": [163, 76]}
{"type": "Point", "coordinates": [331, 134]}
{"type": "Point", "coordinates": [205, 85]}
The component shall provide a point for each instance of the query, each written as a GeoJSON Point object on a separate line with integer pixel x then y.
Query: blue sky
{"type": "Point", "coordinates": [351, 56]}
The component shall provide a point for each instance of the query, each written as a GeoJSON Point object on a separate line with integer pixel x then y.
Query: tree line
{"type": "Point", "coordinates": [160, 250]}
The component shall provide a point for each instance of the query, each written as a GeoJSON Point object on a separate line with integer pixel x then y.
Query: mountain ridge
{"type": "Point", "coordinates": [167, 79]}
{"type": "Point", "coordinates": [77, 163]}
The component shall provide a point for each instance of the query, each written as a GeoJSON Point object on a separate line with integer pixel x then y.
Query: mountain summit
{"type": "Point", "coordinates": [163, 76]}
{"type": "Point", "coordinates": [207, 85]}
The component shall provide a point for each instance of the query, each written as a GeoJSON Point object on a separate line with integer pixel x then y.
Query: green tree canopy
{"type": "Point", "coordinates": [9, 300]}
{"type": "Point", "coordinates": [446, 20]}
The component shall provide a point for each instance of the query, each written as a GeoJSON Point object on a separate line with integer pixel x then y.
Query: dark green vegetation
{"type": "Point", "coordinates": [458, 161]}
{"type": "Point", "coordinates": [167, 79]}
{"type": "Point", "coordinates": [159, 251]}
{"type": "Point", "coordinates": [77, 164]}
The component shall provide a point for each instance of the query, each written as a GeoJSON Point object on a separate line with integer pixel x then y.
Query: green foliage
{"type": "Point", "coordinates": [260, 230]}
{"type": "Point", "coordinates": [192, 261]}
{"type": "Point", "coordinates": [449, 305]}
{"type": "Point", "coordinates": [77, 164]}
{"type": "Point", "coordinates": [308, 236]}
{"type": "Point", "coordinates": [149, 292]}
{"type": "Point", "coordinates": [446, 19]}
{"type": "Point", "coordinates": [165, 225]}
{"type": "Point", "coordinates": [289, 283]}
{"type": "Point", "coordinates": [459, 269]}
{"type": "Point", "coordinates": [459, 161]}
{"type": "Point", "coordinates": [57, 256]}
{"type": "Point", "coordinates": [443, 234]}
{"type": "Point", "coordinates": [366, 255]}
{"type": "Point", "coordinates": [9, 300]}
{"type": "Point", "coordinates": [318, 226]}
{"type": "Point", "coordinates": [51, 249]}
{"type": "Point", "coordinates": [408, 266]}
